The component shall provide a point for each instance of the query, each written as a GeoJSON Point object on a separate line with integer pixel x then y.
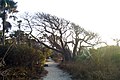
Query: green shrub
{"type": "Point", "coordinates": [23, 58]}
{"type": "Point", "coordinates": [104, 64]}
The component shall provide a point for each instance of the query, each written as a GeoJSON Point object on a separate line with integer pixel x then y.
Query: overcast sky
{"type": "Point", "coordinates": [100, 16]}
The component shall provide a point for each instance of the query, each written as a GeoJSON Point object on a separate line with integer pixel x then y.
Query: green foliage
{"type": "Point", "coordinates": [6, 7]}
{"type": "Point", "coordinates": [22, 55]}
{"type": "Point", "coordinates": [46, 51]}
{"type": "Point", "coordinates": [57, 57]}
{"type": "Point", "coordinates": [108, 54]}
{"type": "Point", "coordinates": [84, 55]}
{"type": "Point", "coordinates": [3, 49]}
{"type": "Point", "coordinates": [104, 64]}
{"type": "Point", "coordinates": [9, 5]}
{"type": "Point", "coordinates": [22, 59]}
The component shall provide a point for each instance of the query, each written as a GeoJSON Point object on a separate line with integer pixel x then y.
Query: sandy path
{"type": "Point", "coordinates": [55, 73]}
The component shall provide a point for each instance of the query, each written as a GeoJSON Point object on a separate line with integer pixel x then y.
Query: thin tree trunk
{"type": "Point", "coordinates": [3, 34]}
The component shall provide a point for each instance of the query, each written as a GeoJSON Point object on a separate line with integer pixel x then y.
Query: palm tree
{"type": "Point", "coordinates": [6, 7]}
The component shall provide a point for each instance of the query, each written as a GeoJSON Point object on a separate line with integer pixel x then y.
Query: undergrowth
{"type": "Point", "coordinates": [104, 64]}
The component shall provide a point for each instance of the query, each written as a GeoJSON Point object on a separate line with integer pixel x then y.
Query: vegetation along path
{"type": "Point", "coordinates": [54, 73]}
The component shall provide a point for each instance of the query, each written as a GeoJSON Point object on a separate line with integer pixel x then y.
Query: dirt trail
{"type": "Point", "coordinates": [54, 73]}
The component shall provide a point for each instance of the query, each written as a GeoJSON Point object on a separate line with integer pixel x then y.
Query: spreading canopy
{"type": "Point", "coordinates": [60, 35]}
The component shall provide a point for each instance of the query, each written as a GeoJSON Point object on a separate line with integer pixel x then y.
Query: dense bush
{"type": "Point", "coordinates": [23, 58]}
{"type": "Point", "coordinates": [57, 57]}
{"type": "Point", "coordinates": [104, 64]}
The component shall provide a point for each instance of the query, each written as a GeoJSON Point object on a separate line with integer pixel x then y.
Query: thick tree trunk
{"type": "Point", "coordinates": [65, 52]}
{"type": "Point", "coordinates": [75, 49]}
{"type": "Point", "coordinates": [67, 55]}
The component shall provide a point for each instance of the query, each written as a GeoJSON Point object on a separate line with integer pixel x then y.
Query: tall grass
{"type": "Point", "coordinates": [104, 64]}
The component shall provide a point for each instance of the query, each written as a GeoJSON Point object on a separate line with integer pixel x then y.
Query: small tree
{"type": "Point", "coordinates": [117, 41]}
{"type": "Point", "coordinates": [6, 7]}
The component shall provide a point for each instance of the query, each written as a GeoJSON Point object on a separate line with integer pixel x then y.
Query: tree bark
{"type": "Point", "coordinates": [75, 49]}
{"type": "Point", "coordinates": [3, 31]}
